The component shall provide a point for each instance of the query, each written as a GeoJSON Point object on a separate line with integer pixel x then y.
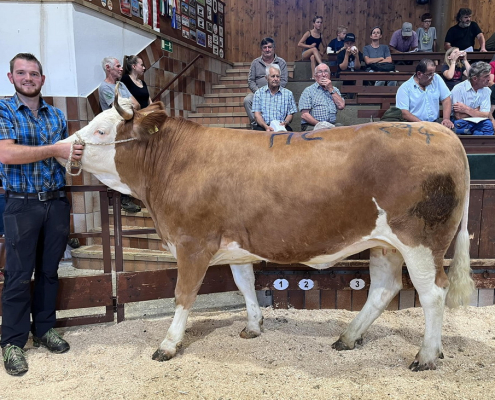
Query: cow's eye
{"type": "Point", "coordinates": [101, 132]}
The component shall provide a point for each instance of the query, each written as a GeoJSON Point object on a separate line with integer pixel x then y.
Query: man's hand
{"type": "Point", "coordinates": [448, 123]}
{"type": "Point", "coordinates": [327, 84]}
{"type": "Point", "coordinates": [461, 108]}
{"type": "Point", "coordinates": [63, 150]}
{"type": "Point", "coordinates": [269, 129]}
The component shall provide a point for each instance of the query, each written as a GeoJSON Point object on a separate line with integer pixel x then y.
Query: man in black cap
{"type": "Point", "coordinates": [350, 58]}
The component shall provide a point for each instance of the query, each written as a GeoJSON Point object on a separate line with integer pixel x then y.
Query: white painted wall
{"type": "Point", "coordinates": [70, 41]}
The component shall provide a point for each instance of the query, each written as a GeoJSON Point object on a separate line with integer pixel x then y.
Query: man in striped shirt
{"type": "Point", "coordinates": [37, 212]}
{"type": "Point", "coordinates": [273, 103]}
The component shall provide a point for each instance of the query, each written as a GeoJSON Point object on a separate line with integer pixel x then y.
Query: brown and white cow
{"type": "Point", "coordinates": [223, 196]}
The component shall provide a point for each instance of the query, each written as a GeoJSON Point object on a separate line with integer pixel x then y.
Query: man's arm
{"type": "Point", "coordinates": [308, 117]}
{"type": "Point", "coordinates": [446, 46]}
{"type": "Point", "coordinates": [409, 117]}
{"type": "Point", "coordinates": [338, 100]}
{"type": "Point", "coordinates": [446, 110]}
{"type": "Point", "coordinates": [284, 74]}
{"type": "Point", "coordinates": [492, 109]}
{"type": "Point", "coordinates": [463, 111]}
{"type": "Point", "coordinates": [345, 62]}
{"type": "Point", "coordinates": [261, 122]}
{"type": "Point", "coordinates": [12, 153]}
{"type": "Point", "coordinates": [252, 77]}
{"type": "Point", "coordinates": [393, 49]}
{"type": "Point", "coordinates": [481, 39]}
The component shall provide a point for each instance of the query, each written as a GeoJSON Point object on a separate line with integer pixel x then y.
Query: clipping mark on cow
{"type": "Point", "coordinates": [290, 134]}
{"type": "Point", "coordinates": [428, 135]}
{"type": "Point", "coordinates": [399, 126]}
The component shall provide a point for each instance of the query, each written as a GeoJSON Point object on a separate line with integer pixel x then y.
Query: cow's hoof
{"type": "Point", "coordinates": [416, 366]}
{"type": "Point", "coordinates": [160, 355]}
{"type": "Point", "coordinates": [339, 345]}
{"type": "Point", "coordinates": [245, 334]}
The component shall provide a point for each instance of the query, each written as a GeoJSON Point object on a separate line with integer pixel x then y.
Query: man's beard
{"type": "Point", "coordinates": [21, 90]}
{"type": "Point", "coordinates": [465, 24]}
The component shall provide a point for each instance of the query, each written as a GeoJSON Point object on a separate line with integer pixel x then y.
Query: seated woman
{"type": "Point", "coordinates": [310, 42]}
{"type": "Point", "coordinates": [455, 67]}
{"type": "Point", "coordinates": [133, 79]}
{"type": "Point", "coordinates": [377, 56]}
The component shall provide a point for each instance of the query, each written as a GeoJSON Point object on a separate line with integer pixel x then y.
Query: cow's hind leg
{"type": "Point", "coordinates": [244, 279]}
{"type": "Point", "coordinates": [431, 283]}
{"type": "Point", "coordinates": [190, 273]}
{"type": "Point", "coordinates": [386, 281]}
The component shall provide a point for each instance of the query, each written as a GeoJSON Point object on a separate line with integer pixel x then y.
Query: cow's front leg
{"type": "Point", "coordinates": [244, 279]}
{"type": "Point", "coordinates": [386, 281]}
{"type": "Point", "coordinates": [192, 264]}
{"type": "Point", "coordinates": [422, 271]}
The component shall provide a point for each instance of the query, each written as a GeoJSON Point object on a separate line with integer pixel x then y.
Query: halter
{"type": "Point", "coordinates": [78, 164]}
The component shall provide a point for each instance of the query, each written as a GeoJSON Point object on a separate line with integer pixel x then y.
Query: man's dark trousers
{"type": "Point", "coordinates": [36, 237]}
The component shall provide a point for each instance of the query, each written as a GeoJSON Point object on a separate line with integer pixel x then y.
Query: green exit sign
{"type": "Point", "coordinates": [167, 45]}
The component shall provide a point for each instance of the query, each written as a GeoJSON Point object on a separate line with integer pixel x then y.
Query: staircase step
{"type": "Point", "coordinates": [91, 257]}
{"type": "Point", "coordinates": [233, 88]}
{"type": "Point", "coordinates": [207, 108]}
{"type": "Point", "coordinates": [141, 219]}
{"type": "Point", "coordinates": [215, 98]}
{"type": "Point", "coordinates": [138, 241]}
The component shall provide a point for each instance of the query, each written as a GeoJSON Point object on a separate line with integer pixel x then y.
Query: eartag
{"type": "Point", "coordinates": [357, 284]}
{"type": "Point", "coordinates": [306, 284]}
{"type": "Point", "coordinates": [281, 284]}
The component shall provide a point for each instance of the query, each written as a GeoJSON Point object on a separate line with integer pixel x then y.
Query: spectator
{"type": "Point", "coordinates": [471, 98]}
{"type": "Point", "coordinates": [351, 58]}
{"type": "Point", "coordinates": [427, 34]}
{"type": "Point", "coordinates": [257, 73]}
{"type": "Point", "coordinates": [320, 101]}
{"type": "Point", "coordinates": [463, 34]}
{"type": "Point", "coordinates": [490, 43]}
{"type": "Point", "coordinates": [455, 67]}
{"type": "Point", "coordinates": [337, 44]}
{"type": "Point", "coordinates": [492, 73]}
{"type": "Point", "coordinates": [404, 40]}
{"type": "Point", "coordinates": [133, 80]}
{"type": "Point", "coordinates": [311, 41]}
{"type": "Point", "coordinates": [377, 56]}
{"type": "Point", "coordinates": [113, 72]}
{"type": "Point", "coordinates": [420, 95]}
{"type": "Point", "coordinates": [37, 212]}
{"type": "Point", "coordinates": [273, 103]}
{"type": "Point", "coordinates": [492, 105]}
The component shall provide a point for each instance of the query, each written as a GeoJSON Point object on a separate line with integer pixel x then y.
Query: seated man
{"type": "Point", "coordinates": [419, 97]}
{"type": "Point", "coordinates": [404, 40]}
{"type": "Point", "coordinates": [257, 73]}
{"type": "Point", "coordinates": [471, 98]}
{"type": "Point", "coordinates": [113, 72]}
{"type": "Point", "coordinates": [350, 59]}
{"type": "Point", "coordinates": [273, 103]}
{"type": "Point", "coordinates": [320, 101]}
{"type": "Point", "coordinates": [463, 34]}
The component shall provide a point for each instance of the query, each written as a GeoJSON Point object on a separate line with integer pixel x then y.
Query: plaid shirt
{"type": "Point", "coordinates": [319, 102]}
{"type": "Point", "coordinates": [18, 122]}
{"type": "Point", "coordinates": [274, 107]}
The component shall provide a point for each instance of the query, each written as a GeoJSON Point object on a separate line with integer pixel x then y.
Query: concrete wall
{"type": "Point", "coordinates": [69, 40]}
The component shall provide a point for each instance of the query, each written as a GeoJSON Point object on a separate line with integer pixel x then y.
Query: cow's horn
{"type": "Point", "coordinates": [123, 113]}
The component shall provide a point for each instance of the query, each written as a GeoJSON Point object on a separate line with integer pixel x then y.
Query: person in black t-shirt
{"type": "Point", "coordinates": [133, 79]}
{"type": "Point", "coordinates": [492, 108]}
{"type": "Point", "coordinates": [463, 34]}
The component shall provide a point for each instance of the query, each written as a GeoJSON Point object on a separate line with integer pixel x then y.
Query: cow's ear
{"type": "Point", "coordinates": [146, 124]}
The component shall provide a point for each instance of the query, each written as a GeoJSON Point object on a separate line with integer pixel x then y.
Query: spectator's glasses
{"type": "Point", "coordinates": [319, 73]}
{"type": "Point", "coordinates": [429, 76]}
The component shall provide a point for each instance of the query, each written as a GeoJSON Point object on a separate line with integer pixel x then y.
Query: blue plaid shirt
{"type": "Point", "coordinates": [319, 102]}
{"type": "Point", "coordinates": [18, 122]}
{"type": "Point", "coordinates": [274, 107]}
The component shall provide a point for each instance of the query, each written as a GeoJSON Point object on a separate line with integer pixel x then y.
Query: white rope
{"type": "Point", "coordinates": [78, 164]}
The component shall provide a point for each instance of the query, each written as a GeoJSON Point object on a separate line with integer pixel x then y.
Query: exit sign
{"type": "Point", "coordinates": [167, 45]}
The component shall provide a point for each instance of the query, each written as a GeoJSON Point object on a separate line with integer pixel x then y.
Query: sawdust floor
{"type": "Point", "coordinates": [292, 359]}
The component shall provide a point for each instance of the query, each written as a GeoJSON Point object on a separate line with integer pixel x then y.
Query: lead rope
{"type": "Point", "coordinates": [78, 164]}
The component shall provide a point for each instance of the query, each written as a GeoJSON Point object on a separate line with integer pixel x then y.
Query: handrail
{"type": "Point", "coordinates": [177, 77]}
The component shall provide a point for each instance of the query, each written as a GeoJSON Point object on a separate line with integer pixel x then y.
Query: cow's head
{"type": "Point", "coordinates": [120, 125]}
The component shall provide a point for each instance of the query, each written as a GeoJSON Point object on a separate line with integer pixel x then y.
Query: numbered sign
{"type": "Point", "coordinates": [357, 284]}
{"type": "Point", "coordinates": [281, 284]}
{"type": "Point", "coordinates": [306, 284]}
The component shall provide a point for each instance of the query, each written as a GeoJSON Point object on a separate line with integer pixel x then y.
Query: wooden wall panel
{"type": "Point", "coordinates": [247, 21]}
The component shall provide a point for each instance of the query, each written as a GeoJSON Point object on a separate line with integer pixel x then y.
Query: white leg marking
{"type": "Point", "coordinates": [175, 333]}
{"type": "Point", "coordinates": [244, 279]}
{"type": "Point", "coordinates": [386, 281]}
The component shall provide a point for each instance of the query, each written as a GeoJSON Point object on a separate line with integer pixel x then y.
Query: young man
{"type": "Point", "coordinates": [113, 72]}
{"type": "Point", "coordinates": [273, 103]}
{"type": "Point", "coordinates": [320, 101]}
{"type": "Point", "coordinates": [350, 59]}
{"type": "Point", "coordinates": [37, 212]}
{"type": "Point", "coordinates": [419, 97]}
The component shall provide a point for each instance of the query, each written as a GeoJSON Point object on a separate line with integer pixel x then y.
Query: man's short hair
{"type": "Point", "coordinates": [341, 28]}
{"type": "Point", "coordinates": [324, 65]}
{"type": "Point", "coordinates": [462, 12]}
{"type": "Point", "coordinates": [266, 41]}
{"type": "Point", "coordinates": [272, 66]}
{"type": "Point", "coordinates": [108, 61]}
{"type": "Point", "coordinates": [478, 69]}
{"type": "Point", "coordinates": [27, 57]}
{"type": "Point", "coordinates": [426, 16]}
{"type": "Point", "coordinates": [424, 64]}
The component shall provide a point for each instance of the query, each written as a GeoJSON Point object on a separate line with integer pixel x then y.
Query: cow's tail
{"type": "Point", "coordinates": [461, 283]}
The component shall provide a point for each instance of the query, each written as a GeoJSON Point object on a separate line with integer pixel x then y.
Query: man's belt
{"type": "Point", "coordinates": [41, 196]}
